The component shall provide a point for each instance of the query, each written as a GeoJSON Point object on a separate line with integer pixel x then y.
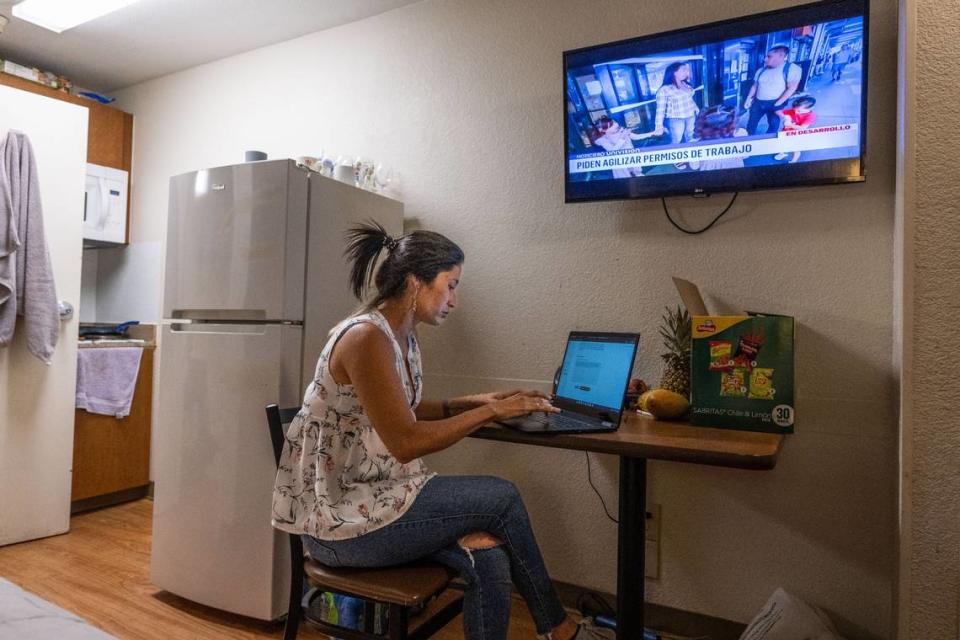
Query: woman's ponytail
{"type": "Point", "coordinates": [422, 254]}
{"type": "Point", "coordinates": [364, 244]}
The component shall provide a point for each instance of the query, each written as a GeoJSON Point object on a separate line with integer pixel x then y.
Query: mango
{"type": "Point", "coordinates": [642, 400]}
{"type": "Point", "coordinates": [664, 404]}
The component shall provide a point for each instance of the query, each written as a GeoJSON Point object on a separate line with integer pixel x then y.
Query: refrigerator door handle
{"type": "Point", "coordinates": [229, 315]}
{"type": "Point", "coordinates": [239, 328]}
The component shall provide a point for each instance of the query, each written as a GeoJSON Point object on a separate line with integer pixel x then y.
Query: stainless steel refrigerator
{"type": "Point", "coordinates": [255, 277]}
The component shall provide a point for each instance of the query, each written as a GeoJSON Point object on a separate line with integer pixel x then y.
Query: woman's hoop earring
{"type": "Point", "coordinates": [416, 296]}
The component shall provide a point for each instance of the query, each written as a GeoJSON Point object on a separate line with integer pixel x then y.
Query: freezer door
{"type": "Point", "coordinates": [214, 474]}
{"type": "Point", "coordinates": [236, 240]}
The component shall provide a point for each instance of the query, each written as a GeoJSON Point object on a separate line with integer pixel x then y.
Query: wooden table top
{"type": "Point", "coordinates": [644, 437]}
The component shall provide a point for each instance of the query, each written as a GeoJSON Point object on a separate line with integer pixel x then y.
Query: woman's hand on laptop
{"type": "Point", "coordinates": [522, 403]}
{"type": "Point", "coordinates": [478, 400]}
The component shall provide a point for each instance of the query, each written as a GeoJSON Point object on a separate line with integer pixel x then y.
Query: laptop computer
{"type": "Point", "coordinates": [590, 387]}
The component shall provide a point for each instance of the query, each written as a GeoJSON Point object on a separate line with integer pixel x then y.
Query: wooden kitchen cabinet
{"type": "Point", "coordinates": [111, 456]}
{"type": "Point", "coordinates": [109, 130]}
{"type": "Point", "coordinates": [109, 137]}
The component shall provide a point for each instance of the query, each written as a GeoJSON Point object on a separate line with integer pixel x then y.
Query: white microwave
{"type": "Point", "coordinates": [105, 205]}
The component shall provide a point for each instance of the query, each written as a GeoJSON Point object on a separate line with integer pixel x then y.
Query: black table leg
{"type": "Point", "coordinates": [631, 545]}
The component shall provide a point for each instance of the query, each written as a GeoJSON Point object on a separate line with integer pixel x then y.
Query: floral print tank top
{"type": "Point", "coordinates": [336, 478]}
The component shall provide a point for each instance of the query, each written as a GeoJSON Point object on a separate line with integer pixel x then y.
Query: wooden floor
{"type": "Point", "coordinates": [101, 572]}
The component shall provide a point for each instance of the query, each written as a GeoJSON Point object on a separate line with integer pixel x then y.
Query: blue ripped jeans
{"type": "Point", "coordinates": [448, 508]}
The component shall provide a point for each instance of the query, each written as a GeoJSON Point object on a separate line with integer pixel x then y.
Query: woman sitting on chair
{"type": "Point", "coordinates": [351, 480]}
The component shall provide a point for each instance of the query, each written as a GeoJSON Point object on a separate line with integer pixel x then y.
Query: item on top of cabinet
{"type": "Point", "coordinates": [365, 174]}
{"type": "Point", "coordinates": [96, 97]}
{"type": "Point", "coordinates": [49, 79]}
{"type": "Point", "coordinates": [310, 162]}
{"type": "Point", "coordinates": [254, 156]}
{"type": "Point", "coordinates": [33, 74]}
{"type": "Point", "coordinates": [344, 171]}
{"type": "Point", "coordinates": [90, 94]}
{"type": "Point", "coordinates": [383, 176]}
{"type": "Point", "coordinates": [323, 165]}
{"type": "Point", "coordinates": [27, 73]}
{"type": "Point", "coordinates": [326, 166]}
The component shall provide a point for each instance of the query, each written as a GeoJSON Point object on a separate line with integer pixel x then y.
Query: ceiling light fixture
{"type": "Point", "coordinates": [60, 15]}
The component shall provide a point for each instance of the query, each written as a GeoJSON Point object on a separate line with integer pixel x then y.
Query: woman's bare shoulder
{"type": "Point", "coordinates": [364, 337]}
{"type": "Point", "coordinates": [361, 346]}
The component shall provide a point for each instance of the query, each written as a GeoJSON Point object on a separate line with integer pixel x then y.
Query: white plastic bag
{"type": "Point", "coordinates": [786, 617]}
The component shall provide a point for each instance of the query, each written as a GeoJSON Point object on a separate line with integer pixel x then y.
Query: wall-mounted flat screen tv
{"type": "Point", "coordinates": [772, 100]}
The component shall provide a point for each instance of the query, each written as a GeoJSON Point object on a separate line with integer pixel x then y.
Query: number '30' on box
{"type": "Point", "coordinates": [741, 373]}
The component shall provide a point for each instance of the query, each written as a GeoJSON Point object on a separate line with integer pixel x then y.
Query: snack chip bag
{"type": "Point", "coordinates": [748, 346]}
{"type": "Point", "coordinates": [761, 384]}
{"type": "Point", "coordinates": [720, 351]}
{"type": "Point", "coordinates": [732, 383]}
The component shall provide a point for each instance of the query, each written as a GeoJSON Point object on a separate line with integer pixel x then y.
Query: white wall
{"type": "Point", "coordinates": [464, 98]}
{"type": "Point", "coordinates": [88, 286]}
{"type": "Point", "coordinates": [36, 399]}
{"type": "Point", "coordinates": [928, 188]}
{"type": "Point", "coordinates": [122, 283]}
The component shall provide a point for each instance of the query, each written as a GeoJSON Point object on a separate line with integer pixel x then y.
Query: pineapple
{"type": "Point", "coordinates": [676, 338]}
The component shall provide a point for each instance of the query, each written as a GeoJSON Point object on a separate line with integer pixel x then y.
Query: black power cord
{"type": "Point", "coordinates": [590, 480]}
{"type": "Point", "coordinates": [663, 201]}
{"type": "Point", "coordinates": [647, 515]}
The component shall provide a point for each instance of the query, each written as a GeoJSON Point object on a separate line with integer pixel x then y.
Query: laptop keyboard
{"type": "Point", "coordinates": [560, 422]}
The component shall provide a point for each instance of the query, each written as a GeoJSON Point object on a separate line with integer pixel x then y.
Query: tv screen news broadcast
{"type": "Point", "coordinates": [765, 101]}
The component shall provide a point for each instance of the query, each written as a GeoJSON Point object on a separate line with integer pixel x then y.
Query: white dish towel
{"type": "Point", "coordinates": [106, 377]}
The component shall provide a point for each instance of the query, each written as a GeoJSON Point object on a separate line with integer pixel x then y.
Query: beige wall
{"type": "Point", "coordinates": [928, 250]}
{"type": "Point", "coordinates": [464, 98]}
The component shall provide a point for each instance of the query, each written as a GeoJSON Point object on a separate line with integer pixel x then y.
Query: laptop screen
{"type": "Point", "coordinates": [596, 368]}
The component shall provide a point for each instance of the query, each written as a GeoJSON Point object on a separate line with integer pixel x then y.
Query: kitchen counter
{"type": "Point", "coordinates": [139, 335]}
{"type": "Point", "coordinates": [111, 456]}
{"type": "Point", "coordinates": [116, 342]}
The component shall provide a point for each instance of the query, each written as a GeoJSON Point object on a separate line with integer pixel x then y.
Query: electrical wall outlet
{"type": "Point", "coordinates": [652, 542]}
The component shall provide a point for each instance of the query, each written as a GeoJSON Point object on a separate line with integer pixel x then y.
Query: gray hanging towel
{"type": "Point", "coordinates": [36, 295]}
{"type": "Point", "coordinates": [107, 378]}
{"type": "Point", "coordinates": [9, 243]}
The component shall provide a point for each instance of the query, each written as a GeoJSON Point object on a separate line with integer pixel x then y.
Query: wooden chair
{"type": "Point", "coordinates": [402, 587]}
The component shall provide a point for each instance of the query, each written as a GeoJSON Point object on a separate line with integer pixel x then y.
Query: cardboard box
{"type": "Point", "coordinates": [46, 78]}
{"type": "Point", "coordinates": [27, 73]}
{"type": "Point", "coordinates": [741, 368]}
